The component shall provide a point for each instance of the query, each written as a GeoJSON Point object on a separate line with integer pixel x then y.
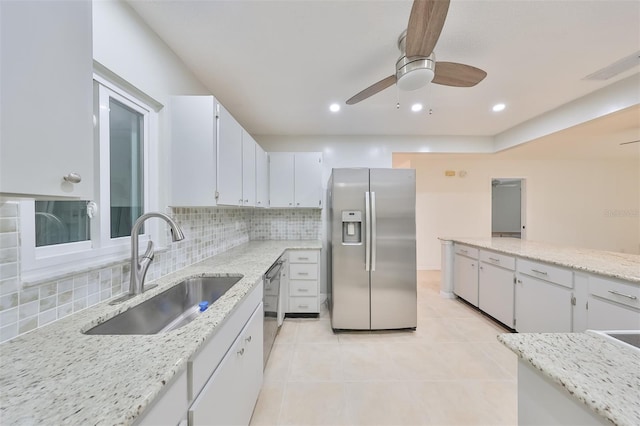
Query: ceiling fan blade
{"type": "Point", "coordinates": [425, 25]}
{"type": "Point", "coordinates": [372, 90]}
{"type": "Point", "coordinates": [458, 75]}
{"type": "Point", "coordinates": [630, 142]}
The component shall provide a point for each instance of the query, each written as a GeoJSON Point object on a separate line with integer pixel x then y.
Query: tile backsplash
{"type": "Point", "coordinates": [286, 224]}
{"type": "Point", "coordinates": [208, 231]}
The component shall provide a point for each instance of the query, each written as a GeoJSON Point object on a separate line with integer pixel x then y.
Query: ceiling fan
{"type": "Point", "coordinates": [417, 65]}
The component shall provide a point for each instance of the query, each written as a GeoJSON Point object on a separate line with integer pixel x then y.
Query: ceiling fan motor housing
{"type": "Point", "coordinates": [413, 72]}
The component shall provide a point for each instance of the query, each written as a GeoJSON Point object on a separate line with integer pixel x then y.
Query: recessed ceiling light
{"type": "Point", "coordinates": [416, 107]}
{"type": "Point", "coordinates": [498, 107]}
{"type": "Point", "coordinates": [334, 107]}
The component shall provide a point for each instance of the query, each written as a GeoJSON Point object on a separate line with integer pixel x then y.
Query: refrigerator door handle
{"type": "Point", "coordinates": [373, 231]}
{"type": "Point", "coordinates": [367, 234]}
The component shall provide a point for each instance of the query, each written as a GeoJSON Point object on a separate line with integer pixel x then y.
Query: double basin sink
{"type": "Point", "coordinates": [170, 309]}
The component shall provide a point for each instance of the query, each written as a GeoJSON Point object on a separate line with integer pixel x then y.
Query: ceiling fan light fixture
{"type": "Point", "coordinates": [414, 72]}
{"type": "Point", "coordinates": [416, 107]}
{"type": "Point", "coordinates": [334, 107]}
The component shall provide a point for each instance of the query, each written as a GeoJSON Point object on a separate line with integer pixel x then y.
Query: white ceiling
{"type": "Point", "coordinates": [277, 65]}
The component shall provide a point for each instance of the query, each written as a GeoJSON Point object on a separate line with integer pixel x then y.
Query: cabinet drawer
{"type": "Point", "coordinates": [303, 271]}
{"type": "Point", "coordinates": [544, 271]}
{"type": "Point", "coordinates": [616, 291]}
{"type": "Point", "coordinates": [303, 304]}
{"type": "Point", "coordinates": [497, 259]}
{"type": "Point", "coordinates": [303, 256]}
{"type": "Point", "coordinates": [303, 288]}
{"type": "Point", "coordinates": [463, 250]}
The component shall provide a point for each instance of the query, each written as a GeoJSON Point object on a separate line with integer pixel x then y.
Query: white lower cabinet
{"type": "Point", "coordinates": [230, 394]}
{"type": "Point", "coordinates": [544, 298]}
{"type": "Point", "coordinates": [222, 381]}
{"type": "Point", "coordinates": [612, 305]}
{"type": "Point", "coordinates": [542, 306]}
{"type": "Point", "coordinates": [304, 281]}
{"type": "Point", "coordinates": [496, 293]}
{"type": "Point", "coordinates": [465, 278]}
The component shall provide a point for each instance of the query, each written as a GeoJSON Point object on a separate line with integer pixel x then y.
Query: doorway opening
{"type": "Point", "coordinates": [508, 208]}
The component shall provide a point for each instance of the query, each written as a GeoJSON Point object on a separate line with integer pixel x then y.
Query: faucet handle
{"type": "Point", "coordinates": [149, 254]}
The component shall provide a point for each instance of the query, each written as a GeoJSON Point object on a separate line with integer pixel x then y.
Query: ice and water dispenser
{"type": "Point", "coordinates": [351, 227]}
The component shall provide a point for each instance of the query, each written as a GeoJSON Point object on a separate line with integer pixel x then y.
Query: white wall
{"type": "Point", "coordinates": [582, 203]}
{"type": "Point", "coordinates": [127, 48]}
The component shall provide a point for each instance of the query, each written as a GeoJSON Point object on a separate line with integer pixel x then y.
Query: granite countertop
{"type": "Point", "coordinates": [602, 375]}
{"type": "Point", "coordinates": [57, 375]}
{"type": "Point", "coordinates": [623, 266]}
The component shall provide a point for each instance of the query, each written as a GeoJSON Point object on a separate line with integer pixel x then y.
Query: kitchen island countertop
{"type": "Point", "coordinates": [602, 375]}
{"type": "Point", "coordinates": [623, 266]}
{"type": "Point", "coordinates": [58, 375]}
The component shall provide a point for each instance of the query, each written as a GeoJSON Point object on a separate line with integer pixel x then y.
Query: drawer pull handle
{"type": "Point", "coordinates": [248, 339]}
{"type": "Point", "coordinates": [539, 272]}
{"type": "Point", "coordinates": [303, 306]}
{"type": "Point", "coordinates": [303, 258]}
{"type": "Point", "coordinates": [493, 259]}
{"type": "Point", "coordinates": [303, 273]}
{"type": "Point", "coordinates": [464, 251]}
{"type": "Point", "coordinates": [628, 296]}
{"type": "Point", "coordinates": [303, 290]}
{"type": "Point", "coordinates": [241, 352]}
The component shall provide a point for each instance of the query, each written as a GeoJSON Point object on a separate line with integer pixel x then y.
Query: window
{"type": "Point", "coordinates": [56, 233]}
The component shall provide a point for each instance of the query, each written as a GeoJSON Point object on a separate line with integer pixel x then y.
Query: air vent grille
{"type": "Point", "coordinates": [616, 68]}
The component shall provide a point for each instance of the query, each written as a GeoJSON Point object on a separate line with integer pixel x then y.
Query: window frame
{"type": "Point", "coordinates": [59, 259]}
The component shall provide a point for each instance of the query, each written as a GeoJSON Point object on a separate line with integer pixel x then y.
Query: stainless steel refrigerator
{"type": "Point", "coordinates": [372, 243]}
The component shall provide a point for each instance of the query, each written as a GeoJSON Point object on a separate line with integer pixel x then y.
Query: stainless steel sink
{"type": "Point", "coordinates": [627, 338]}
{"type": "Point", "coordinates": [169, 310]}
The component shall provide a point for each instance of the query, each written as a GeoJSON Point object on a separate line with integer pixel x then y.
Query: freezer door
{"type": "Point", "coordinates": [349, 275]}
{"type": "Point", "coordinates": [393, 251]}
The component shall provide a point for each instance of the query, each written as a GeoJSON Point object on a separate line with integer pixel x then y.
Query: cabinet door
{"type": "Point", "coordinates": [281, 179]}
{"type": "Point", "coordinates": [248, 169]}
{"type": "Point", "coordinates": [229, 159]}
{"type": "Point", "coordinates": [542, 307]}
{"type": "Point", "coordinates": [605, 315]}
{"type": "Point", "coordinates": [308, 179]}
{"type": "Point", "coordinates": [465, 279]}
{"type": "Point", "coordinates": [193, 151]}
{"type": "Point", "coordinates": [230, 395]}
{"type": "Point", "coordinates": [496, 293]}
{"type": "Point", "coordinates": [46, 105]}
{"type": "Point", "coordinates": [262, 177]}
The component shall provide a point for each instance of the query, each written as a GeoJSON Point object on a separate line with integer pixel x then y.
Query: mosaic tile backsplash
{"type": "Point", "coordinates": [208, 231]}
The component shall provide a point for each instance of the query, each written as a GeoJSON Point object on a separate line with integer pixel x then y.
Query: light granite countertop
{"type": "Point", "coordinates": [57, 375]}
{"type": "Point", "coordinates": [602, 375]}
{"type": "Point", "coordinates": [623, 266]}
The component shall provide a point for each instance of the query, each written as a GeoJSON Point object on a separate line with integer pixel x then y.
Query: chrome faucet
{"type": "Point", "coordinates": [139, 267]}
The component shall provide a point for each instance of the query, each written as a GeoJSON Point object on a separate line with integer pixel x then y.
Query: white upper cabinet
{"type": "Point", "coordinates": [308, 179]}
{"type": "Point", "coordinates": [262, 177]}
{"type": "Point", "coordinates": [281, 175]}
{"type": "Point", "coordinates": [47, 99]}
{"type": "Point", "coordinates": [295, 179]}
{"type": "Point", "coordinates": [248, 169]}
{"type": "Point", "coordinates": [193, 151]}
{"type": "Point", "coordinates": [213, 158]}
{"type": "Point", "coordinates": [229, 159]}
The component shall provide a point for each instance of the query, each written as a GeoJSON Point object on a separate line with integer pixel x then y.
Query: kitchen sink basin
{"type": "Point", "coordinates": [170, 309]}
{"type": "Point", "coordinates": [627, 338]}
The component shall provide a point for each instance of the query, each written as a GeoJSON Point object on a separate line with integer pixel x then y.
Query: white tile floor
{"type": "Point", "coordinates": [450, 371]}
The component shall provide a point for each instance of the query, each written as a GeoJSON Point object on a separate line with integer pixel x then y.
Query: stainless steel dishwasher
{"type": "Point", "coordinates": [272, 306]}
